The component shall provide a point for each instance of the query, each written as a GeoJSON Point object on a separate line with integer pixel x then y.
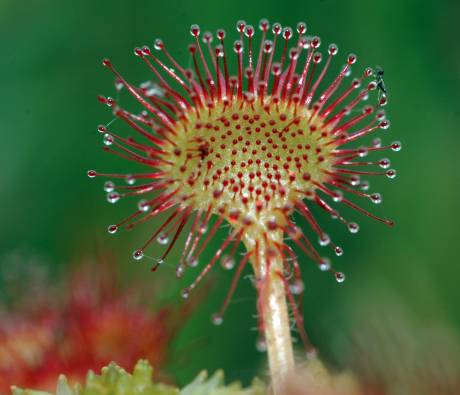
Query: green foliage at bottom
{"type": "Point", "coordinates": [114, 380]}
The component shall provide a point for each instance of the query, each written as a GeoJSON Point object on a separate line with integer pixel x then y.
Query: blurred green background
{"type": "Point", "coordinates": [50, 72]}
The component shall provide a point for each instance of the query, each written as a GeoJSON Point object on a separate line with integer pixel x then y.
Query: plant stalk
{"type": "Point", "coordinates": [278, 334]}
{"type": "Point", "coordinates": [274, 313]}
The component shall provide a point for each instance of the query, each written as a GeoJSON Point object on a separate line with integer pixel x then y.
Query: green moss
{"type": "Point", "coordinates": [114, 380]}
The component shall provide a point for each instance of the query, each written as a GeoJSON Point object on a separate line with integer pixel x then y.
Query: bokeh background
{"type": "Point", "coordinates": [402, 283]}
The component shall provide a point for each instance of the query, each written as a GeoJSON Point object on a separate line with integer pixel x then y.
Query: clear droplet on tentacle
{"type": "Point", "coordinates": [324, 239]}
{"type": "Point", "coordinates": [109, 186]}
{"type": "Point", "coordinates": [130, 179]}
{"type": "Point", "coordinates": [192, 261]}
{"type": "Point", "coordinates": [376, 198]}
{"type": "Point", "coordinates": [163, 238]}
{"type": "Point", "coordinates": [112, 229]}
{"type": "Point", "coordinates": [138, 255]}
{"type": "Point", "coordinates": [227, 262]}
{"type": "Point", "coordinates": [217, 319]}
{"type": "Point", "coordinates": [325, 264]}
{"type": "Point", "coordinates": [339, 277]}
{"type": "Point", "coordinates": [143, 205]}
{"type": "Point", "coordinates": [297, 287]}
{"type": "Point", "coordinates": [261, 344]}
{"type": "Point", "coordinates": [113, 197]}
{"type": "Point", "coordinates": [108, 139]}
{"type": "Point", "coordinates": [353, 227]}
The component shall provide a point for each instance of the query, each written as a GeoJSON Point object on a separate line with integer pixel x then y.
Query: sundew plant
{"type": "Point", "coordinates": [247, 136]}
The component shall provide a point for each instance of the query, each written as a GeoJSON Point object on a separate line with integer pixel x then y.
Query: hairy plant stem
{"type": "Point", "coordinates": [278, 334]}
{"type": "Point", "coordinates": [274, 314]}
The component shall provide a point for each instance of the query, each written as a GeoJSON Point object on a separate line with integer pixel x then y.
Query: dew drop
{"type": "Point", "coordinates": [354, 180]}
{"type": "Point", "coordinates": [220, 51]}
{"type": "Point", "coordinates": [203, 229]}
{"type": "Point", "coordinates": [276, 28]}
{"type": "Point", "coordinates": [138, 255]}
{"type": "Point", "coordinates": [108, 139]}
{"type": "Point", "coordinates": [372, 85]}
{"type": "Point", "coordinates": [112, 229]}
{"type": "Point", "coordinates": [335, 214]}
{"type": "Point", "coordinates": [263, 24]}
{"type": "Point", "coordinates": [143, 205]}
{"type": "Point", "coordinates": [362, 152]}
{"type": "Point", "coordinates": [333, 49]}
{"type": "Point", "coordinates": [356, 83]}
{"type": "Point", "coordinates": [113, 197]}
{"type": "Point", "coordinates": [338, 251]}
{"type": "Point", "coordinates": [365, 185]}
{"type": "Point", "coordinates": [384, 163]}
{"type": "Point", "coordinates": [339, 277]}
{"type": "Point", "coordinates": [391, 173]}
{"type": "Point", "coordinates": [158, 44]}
{"type": "Point", "coordinates": [195, 30]}
{"type": "Point", "coordinates": [268, 46]}
{"type": "Point", "coordinates": [155, 91]}
{"type": "Point", "coordinates": [325, 265]}
{"type": "Point", "coordinates": [91, 173]}
{"type": "Point", "coordinates": [385, 124]}
{"type": "Point", "coordinates": [315, 42]}
{"type": "Point", "coordinates": [348, 72]}
{"type": "Point", "coordinates": [101, 129]}
{"type": "Point", "coordinates": [145, 84]}
{"type": "Point", "coordinates": [227, 262]}
{"type": "Point", "coordinates": [180, 271]}
{"type": "Point", "coordinates": [207, 37]}
{"type": "Point", "coordinates": [324, 239]}
{"type": "Point", "coordinates": [377, 142]}
{"type": "Point", "coordinates": [338, 196]}
{"type": "Point", "coordinates": [353, 227]}
{"type": "Point", "coordinates": [351, 58]}
{"type": "Point", "coordinates": [238, 47]}
{"type": "Point", "coordinates": [396, 146]}
{"type": "Point", "coordinates": [297, 287]}
{"type": "Point", "coordinates": [301, 27]}
{"type": "Point", "coordinates": [240, 26]}
{"type": "Point", "coordinates": [217, 319]}
{"type": "Point", "coordinates": [376, 198]}
{"type": "Point", "coordinates": [109, 186]}
{"type": "Point", "coordinates": [248, 30]}
{"type": "Point", "coordinates": [185, 293]}
{"type": "Point", "coordinates": [130, 179]}
{"type": "Point", "coordinates": [118, 84]}
{"type": "Point", "coordinates": [192, 261]}
{"type": "Point", "coordinates": [261, 344]}
{"type": "Point", "coordinates": [163, 238]}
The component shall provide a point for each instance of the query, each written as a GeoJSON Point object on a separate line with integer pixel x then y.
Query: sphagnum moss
{"type": "Point", "coordinates": [249, 150]}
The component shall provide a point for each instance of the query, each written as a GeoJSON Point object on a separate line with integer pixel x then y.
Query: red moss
{"type": "Point", "coordinates": [89, 325]}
